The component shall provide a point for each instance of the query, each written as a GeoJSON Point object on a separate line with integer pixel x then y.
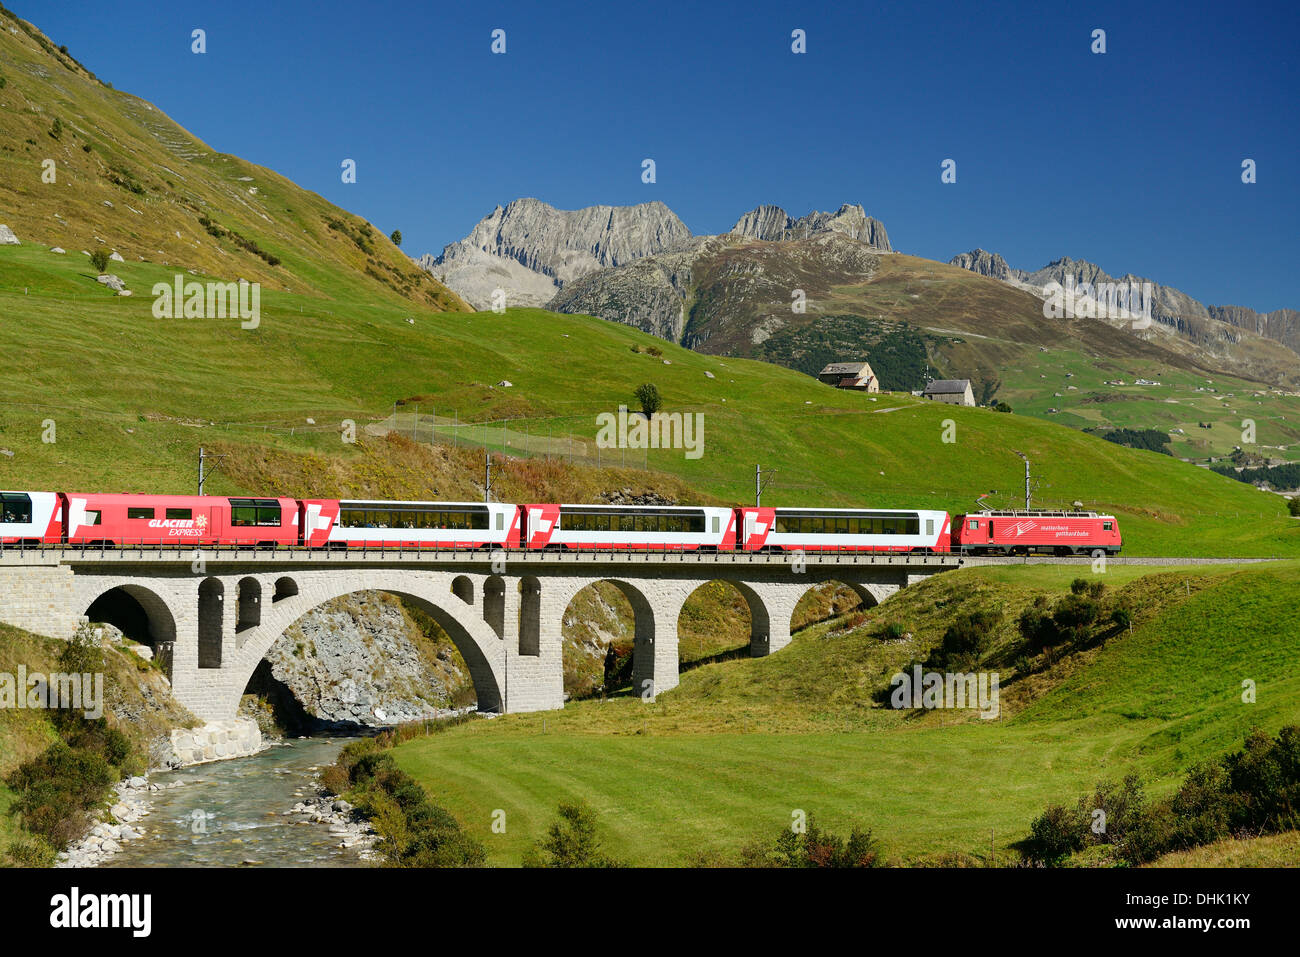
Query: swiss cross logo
{"type": "Point", "coordinates": [540, 524]}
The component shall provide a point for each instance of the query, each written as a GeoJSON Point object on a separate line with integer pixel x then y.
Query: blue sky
{"type": "Point", "coordinates": [1131, 159]}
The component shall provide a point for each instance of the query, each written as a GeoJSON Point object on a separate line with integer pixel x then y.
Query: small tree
{"type": "Point", "coordinates": [571, 841]}
{"type": "Point", "coordinates": [99, 259]}
{"type": "Point", "coordinates": [1293, 506]}
{"type": "Point", "coordinates": [56, 130]}
{"type": "Point", "coordinates": [648, 396]}
{"type": "Point", "coordinates": [396, 237]}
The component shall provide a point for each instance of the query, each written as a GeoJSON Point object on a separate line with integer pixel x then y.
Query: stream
{"type": "Point", "coordinates": [231, 813]}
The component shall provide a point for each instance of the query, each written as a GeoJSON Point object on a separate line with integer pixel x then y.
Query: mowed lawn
{"type": "Point", "coordinates": [663, 800]}
{"type": "Point", "coordinates": [669, 786]}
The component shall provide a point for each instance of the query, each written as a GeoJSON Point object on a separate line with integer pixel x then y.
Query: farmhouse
{"type": "Point", "coordinates": [951, 391]}
{"type": "Point", "coordinates": [850, 375]}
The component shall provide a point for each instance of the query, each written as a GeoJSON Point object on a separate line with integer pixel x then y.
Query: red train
{"type": "Point", "coordinates": [95, 519]}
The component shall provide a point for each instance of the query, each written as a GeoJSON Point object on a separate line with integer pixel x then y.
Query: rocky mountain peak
{"type": "Point", "coordinates": [983, 262]}
{"type": "Point", "coordinates": [772, 223]}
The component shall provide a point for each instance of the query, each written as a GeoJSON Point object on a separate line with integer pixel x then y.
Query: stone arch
{"type": "Point", "coordinates": [285, 587]}
{"type": "Point", "coordinates": [463, 589]}
{"type": "Point", "coordinates": [118, 605]}
{"type": "Point", "coordinates": [494, 604]}
{"type": "Point", "coordinates": [758, 618]}
{"type": "Point", "coordinates": [249, 610]}
{"type": "Point", "coordinates": [530, 616]}
{"type": "Point", "coordinates": [866, 595]}
{"type": "Point", "coordinates": [212, 595]}
{"type": "Point", "coordinates": [478, 645]}
{"type": "Point", "coordinates": [157, 616]}
{"type": "Point", "coordinates": [654, 648]}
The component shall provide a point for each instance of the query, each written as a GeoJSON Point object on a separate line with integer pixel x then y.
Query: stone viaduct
{"type": "Point", "coordinates": [219, 611]}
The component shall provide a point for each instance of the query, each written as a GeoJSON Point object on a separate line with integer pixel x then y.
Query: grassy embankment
{"type": "Point", "coordinates": [728, 756]}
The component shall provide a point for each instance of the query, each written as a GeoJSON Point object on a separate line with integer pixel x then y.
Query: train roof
{"type": "Point", "coordinates": [1040, 513]}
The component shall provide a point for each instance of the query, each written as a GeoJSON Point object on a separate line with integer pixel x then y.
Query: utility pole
{"type": "Point", "coordinates": [1028, 493]}
{"type": "Point", "coordinates": [759, 484]}
{"type": "Point", "coordinates": [206, 473]}
{"type": "Point", "coordinates": [487, 477]}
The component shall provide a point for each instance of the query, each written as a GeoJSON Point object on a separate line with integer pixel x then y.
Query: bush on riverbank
{"type": "Point", "coordinates": [413, 831]}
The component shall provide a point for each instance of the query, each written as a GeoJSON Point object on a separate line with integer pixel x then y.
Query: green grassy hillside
{"type": "Point", "coordinates": [132, 397]}
{"type": "Point", "coordinates": [127, 178]}
{"type": "Point", "coordinates": [727, 757]}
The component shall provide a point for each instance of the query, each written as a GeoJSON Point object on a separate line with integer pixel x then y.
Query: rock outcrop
{"type": "Point", "coordinates": [363, 660]}
{"type": "Point", "coordinates": [772, 223]}
{"type": "Point", "coordinates": [983, 262]}
{"type": "Point", "coordinates": [552, 247]}
{"type": "Point", "coordinates": [7, 237]}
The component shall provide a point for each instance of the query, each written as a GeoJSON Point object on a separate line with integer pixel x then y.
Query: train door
{"type": "Point", "coordinates": [216, 524]}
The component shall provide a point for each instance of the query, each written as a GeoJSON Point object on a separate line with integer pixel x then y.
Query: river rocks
{"type": "Point", "coordinates": [214, 741]}
{"type": "Point", "coordinates": [105, 838]}
{"type": "Point", "coordinates": [345, 823]}
{"type": "Point", "coordinates": [7, 237]}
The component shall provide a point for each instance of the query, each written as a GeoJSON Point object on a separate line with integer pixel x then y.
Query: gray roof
{"type": "Point", "coordinates": [947, 386]}
{"type": "Point", "coordinates": [845, 368]}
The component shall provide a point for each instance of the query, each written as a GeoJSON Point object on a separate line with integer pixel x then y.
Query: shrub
{"type": "Point", "coordinates": [1054, 835]}
{"type": "Point", "coordinates": [56, 790]}
{"type": "Point", "coordinates": [1073, 614]}
{"type": "Point", "coordinates": [648, 396]}
{"type": "Point", "coordinates": [1202, 807]}
{"type": "Point", "coordinates": [966, 639]}
{"type": "Point", "coordinates": [1265, 779]}
{"type": "Point", "coordinates": [1293, 505]}
{"type": "Point", "coordinates": [396, 237]}
{"type": "Point", "coordinates": [56, 129]}
{"type": "Point", "coordinates": [815, 847]}
{"type": "Point", "coordinates": [894, 631]}
{"type": "Point", "coordinates": [99, 259]}
{"type": "Point", "coordinates": [30, 853]}
{"type": "Point", "coordinates": [571, 841]}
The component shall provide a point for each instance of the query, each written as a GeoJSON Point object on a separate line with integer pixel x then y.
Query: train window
{"type": "Point", "coordinates": [15, 508]}
{"type": "Point", "coordinates": [1106, 526]}
{"type": "Point", "coordinates": [254, 512]}
{"type": "Point", "coordinates": [929, 526]}
{"type": "Point", "coordinates": [973, 524]}
{"type": "Point", "coordinates": [92, 518]}
{"type": "Point", "coordinates": [501, 521]}
{"type": "Point", "coordinates": [179, 513]}
{"type": "Point", "coordinates": [717, 525]}
{"type": "Point", "coordinates": [139, 513]}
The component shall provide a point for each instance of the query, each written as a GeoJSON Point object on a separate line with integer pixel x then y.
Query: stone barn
{"type": "Point", "coordinates": [850, 375]}
{"type": "Point", "coordinates": [951, 391]}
